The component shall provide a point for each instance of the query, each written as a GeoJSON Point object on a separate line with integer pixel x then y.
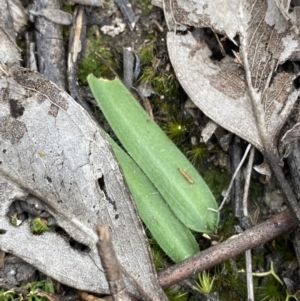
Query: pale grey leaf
{"type": "Point", "coordinates": [9, 51]}
{"type": "Point", "coordinates": [54, 15]}
{"type": "Point", "coordinates": [247, 95]}
{"type": "Point", "coordinates": [52, 151]}
{"type": "Point", "coordinates": [291, 135]}
{"type": "Point", "coordinates": [208, 131]}
{"type": "Point", "coordinates": [263, 169]}
{"type": "Point", "coordinates": [220, 15]}
{"type": "Point", "coordinates": [18, 14]}
{"type": "Point", "coordinates": [217, 88]}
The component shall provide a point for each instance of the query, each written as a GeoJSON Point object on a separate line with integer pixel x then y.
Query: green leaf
{"type": "Point", "coordinates": [174, 238]}
{"type": "Point", "coordinates": [169, 170]}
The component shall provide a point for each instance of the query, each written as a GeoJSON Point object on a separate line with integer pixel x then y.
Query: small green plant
{"type": "Point", "coordinates": [7, 295]}
{"type": "Point", "coordinates": [176, 294]}
{"type": "Point", "coordinates": [173, 237]}
{"type": "Point", "coordinates": [196, 154]}
{"type": "Point", "coordinates": [272, 288]}
{"type": "Point", "coordinates": [39, 225]}
{"type": "Point", "coordinates": [176, 129]}
{"type": "Point", "coordinates": [34, 289]}
{"type": "Point", "coordinates": [14, 220]}
{"type": "Point", "coordinates": [205, 283]}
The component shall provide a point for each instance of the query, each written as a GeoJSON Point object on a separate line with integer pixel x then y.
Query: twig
{"type": "Point", "coordinates": [110, 264]}
{"type": "Point", "coordinates": [258, 235]}
{"type": "Point", "coordinates": [50, 45]}
{"type": "Point", "coordinates": [249, 276]}
{"type": "Point", "coordinates": [107, 65]}
{"type": "Point", "coordinates": [236, 155]}
{"type": "Point", "coordinates": [234, 175]}
{"type": "Point", "coordinates": [127, 12]}
{"type": "Point", "coordinates": [76, 49]}
{"type": "Point", "coordinates": [273, 159]}
{"type": "Point", "coordinates": [128, 63]}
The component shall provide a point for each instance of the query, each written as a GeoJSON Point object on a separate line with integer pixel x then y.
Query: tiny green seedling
{"type": "Point", "coordinates": [205, 283]}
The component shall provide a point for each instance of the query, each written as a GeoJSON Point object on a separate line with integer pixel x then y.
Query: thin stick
{"type": "Point", "coordinates": [249, 276]}
{"type": "Point", "coordinates": [110, 264]}
{"type": "Point", "coordinates": [251, 238]}
{"type": "Point", "coordinates": [234, 175]}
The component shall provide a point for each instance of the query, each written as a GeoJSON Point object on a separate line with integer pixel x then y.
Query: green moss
{"type": "Point", "coordinates": [157, 73]}
{"type": "Point", "coordinates": [68, 8]}
{"type": "Point", "coordinates": [284, 247]}
{"type": "Point", "coordinates": [160, 259]}
{"type": "Point", "coordinates": [216, 181]}
{"type": "Point", "coordinates": [256, 190]}
{"type": "Point", "coordinates": [270, 289]}
{"type": "Point", "coordinates": [196, 154]}
{"type": "Point", "coordinates": [228, 283]}
{"type": "Point", "coordinates": [177, 128]}
{"type": "Point", "coordinates": [91, 63]}
{"type": "Point", "coordinates": [146, 54]}
{"type": "Point", "coordinates": [146, 6]}
{"type": "Point", "coordinates": [176, 294]}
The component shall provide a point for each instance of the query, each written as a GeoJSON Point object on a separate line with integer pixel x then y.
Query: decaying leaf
{"type": "Point", "coordinates": [9, 52]}
{"type": "Point", "coordinates": [217, 88]}
{"type": "Point", "coordinates": [291, 135]}
{"type": "Point", "coordinates": [52, 152]}
{"type": "Point", "coordinates": [254, 99]}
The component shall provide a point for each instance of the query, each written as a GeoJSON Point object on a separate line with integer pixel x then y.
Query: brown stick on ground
{"type": "Point", "coordinates": [260, 234]}
{"type": "Point", "coordinates": [110, 264]}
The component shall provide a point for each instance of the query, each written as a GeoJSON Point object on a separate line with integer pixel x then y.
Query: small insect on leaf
{"type": "Point", "coordinates": [186, 175]}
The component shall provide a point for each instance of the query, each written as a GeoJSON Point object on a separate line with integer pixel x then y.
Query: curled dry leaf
{"type": "Point", "coordinates": [51, 151]}
{"type": "Point", "coordinates": [248, 97]}
{"type": "Point", "coordinates": [291, 135]}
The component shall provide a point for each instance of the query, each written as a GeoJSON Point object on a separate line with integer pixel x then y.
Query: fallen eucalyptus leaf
{"type": "Point", "coordinates": [217, 88]}
{"type": "Point", "coordinates": [9, 51]}
{"type": "Point", "coordinates": [18, 14]}
{"type": "Point", "coordinates": [223, 90]}
{"type": "Point", "coordinates": [291, 135]}
{"type": "Point", "coordinates": [51, 150]}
